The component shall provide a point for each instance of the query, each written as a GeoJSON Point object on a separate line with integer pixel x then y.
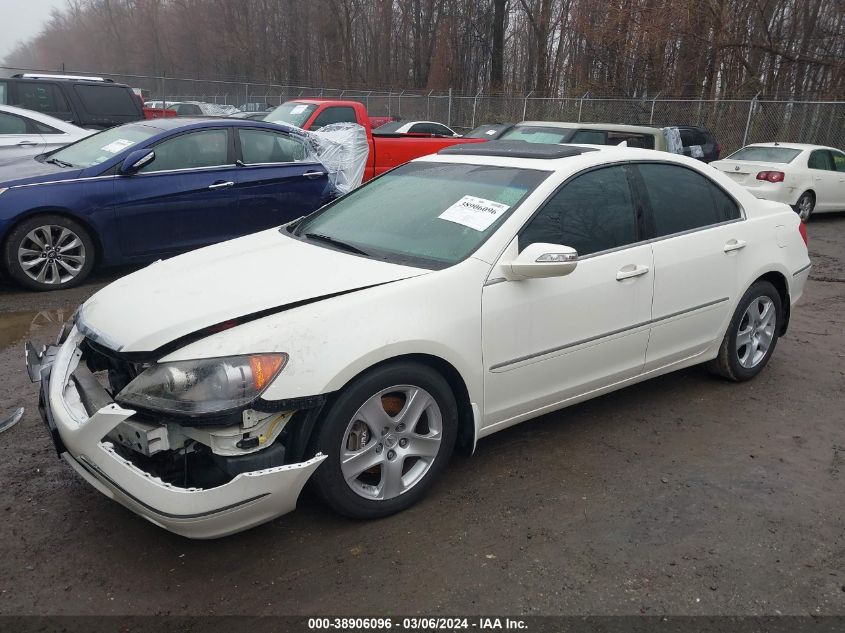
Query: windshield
{"type": "Point", "coordinates": [292, 113]}
{"type": "Point", "coordinates": [425, 213]}
{"type": "Point", "coordinates": [765, 154]}
{"type": "Point", "coordinates": [100, 147]}
{"type": "Point", "coordinates": [538, 134]}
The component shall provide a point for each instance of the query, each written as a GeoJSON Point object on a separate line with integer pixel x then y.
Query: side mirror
{"type": "Point", "coordinates": [136, 160]}
{"type": "Point", "coordinates": [542, 260]}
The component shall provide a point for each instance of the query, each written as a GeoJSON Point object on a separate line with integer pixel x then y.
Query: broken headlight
{"type": "Point", "coordinates": [209, 385]}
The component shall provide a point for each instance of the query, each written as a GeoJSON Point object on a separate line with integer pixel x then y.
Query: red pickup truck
{"type": "Point", "coordinates": [386, 150]}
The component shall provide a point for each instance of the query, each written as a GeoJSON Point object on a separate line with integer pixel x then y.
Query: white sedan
{"type": "Point", "coordinates": [453, 297]}
{"type": "Point", "coordinates": [810, 178]}
{"type": "Point", "coordinates": [28, 133]}
{"type": "Point", "coordinates": [415, 127]}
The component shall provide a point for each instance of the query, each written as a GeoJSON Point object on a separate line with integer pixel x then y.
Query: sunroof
{"type": "Point", "coordinates": [514, 149]}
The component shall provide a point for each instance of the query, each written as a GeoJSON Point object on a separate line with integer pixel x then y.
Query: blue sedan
{"type": "Point", "coordinates": [151, 189]}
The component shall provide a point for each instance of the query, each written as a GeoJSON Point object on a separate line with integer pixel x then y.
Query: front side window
{"type": "Point", "coordinates": [267, 146]}
{"type": "Point", "coordinates": [429, 214]}
{"type": "Point", "coordinates": [103, 146]}
{"type": "Point", "coordinates": [643, 141]}
{"type": "Point", "coordinates": [4, 93]}
{"type": "Point", "coordinates": [593, 212]}
{"type": "Point", "coordinates": [11, 124]}
{"type": "Point", "coordinates": [821, 159]}
{"type": "Point", "coordinates": [194, 150]}
{"type": "Point", "coordinates": [682, 199]}
{"type": "Point", "coordinates": [334, 114]}
{"type": "Point", "coordinates": [838, 161]}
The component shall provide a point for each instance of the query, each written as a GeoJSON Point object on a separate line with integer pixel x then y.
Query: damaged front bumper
{"type": "Point", "coordinates": [80, 420]}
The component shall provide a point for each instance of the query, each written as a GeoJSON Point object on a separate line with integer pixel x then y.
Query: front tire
{"type": "Point", "coordinates": [752, 334]}
{"type": "Point", "coordinates": [805, 206]}
{"type": "Point", "coordinates": [48, 252]}
{"type": "Point", "coordinates": [388, 436]}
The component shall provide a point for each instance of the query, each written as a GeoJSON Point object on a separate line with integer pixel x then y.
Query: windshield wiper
{"type": "Point", "coordinates": [335, 242]}
{"type": "Point", "coordinates": [56, 161]}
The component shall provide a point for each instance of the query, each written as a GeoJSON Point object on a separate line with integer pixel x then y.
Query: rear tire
{"type": "Point", "coordinates": [805, 206]}
{"type": "Point", "coordinates": [388, 436]}
{"type": "Point", "coordinates": [48, 252]}
{"type": "Point", "coordinates": [752, 334]}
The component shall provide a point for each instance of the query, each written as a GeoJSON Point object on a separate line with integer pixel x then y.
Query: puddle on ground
{"type": "Point", "coordinates": [40, 325]}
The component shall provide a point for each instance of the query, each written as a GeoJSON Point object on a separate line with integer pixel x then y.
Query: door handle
{"type": "Point", "coordinates": [221, 185]}
{"type": "Point", "coordinates": [27, 143]}
{"type": "Point", "coordinates": [631, 270]}
{"type": "Point", "coordinates": [735, 245]}
{"type": "Point", "coordinates": [314, 174]}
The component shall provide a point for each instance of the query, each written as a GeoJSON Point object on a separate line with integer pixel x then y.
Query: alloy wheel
{"type": "Point", "coordinates": [805, 207]}
{"type": "Point", "coordinates": [391, 442]}
{"type": "Point", "coordinates": [51, 254]}
{"type": "Point", "coordinates": [756, 332]}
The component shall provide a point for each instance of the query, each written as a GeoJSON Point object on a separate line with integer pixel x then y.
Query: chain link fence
{"type": "Point", "coordinates": [734, 122]}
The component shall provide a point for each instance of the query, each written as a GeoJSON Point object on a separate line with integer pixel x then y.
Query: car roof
{"type": "Point", "coordinates": [613, 127]}
{"type": "Point", "coordinates": [585, 156]}
{"type": "Point", "coordinates": [39, 116]}
{"type": "Point", "coordinates": [175, 123]}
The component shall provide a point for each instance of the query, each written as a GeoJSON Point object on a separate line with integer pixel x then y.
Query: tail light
{"type": "Point", "coordinates": [771, 176]}
{"type": "Point", "coordinates": [802, 229]}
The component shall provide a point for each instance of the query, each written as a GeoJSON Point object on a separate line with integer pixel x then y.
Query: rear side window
{"type": "Point", "coordinates": [107, 100]}
{"type": "Point", "coordinates": [11, 124]}
{"type": "Point", "coordinates": [821, 159]}
{"type": "Point", "coordinates": [41, 97]}
{"type": "Point", "coordinates": [683, 200]}
{"type": "Point", "coordinates": [334, 114]}
{"type": "Point", "coordinates": [4, 93]}
{"type": "Point", "coordinates": [266, 146]}
{"type": "Point", "coordinates": [593, 212]}
{"type": "Point", "coordinates": [43, 128]}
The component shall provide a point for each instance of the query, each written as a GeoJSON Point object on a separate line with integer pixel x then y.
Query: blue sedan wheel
{"type": "Point", "coordinates": [49, 253]}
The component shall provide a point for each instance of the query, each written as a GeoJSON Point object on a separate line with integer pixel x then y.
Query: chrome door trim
{"type": "Point", "coordinates": [560, 348]}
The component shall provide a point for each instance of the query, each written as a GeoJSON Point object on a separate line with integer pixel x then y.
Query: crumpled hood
{"type": "Point", "coordinates": [26, 170]}
{"type": "Point", "coordinates": [177, 297]}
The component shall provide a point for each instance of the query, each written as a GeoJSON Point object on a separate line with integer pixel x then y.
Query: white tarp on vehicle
{"type": "Point", "coordinates": [343, 149]}
{"type": "Point", "coordinates": [673, 140]}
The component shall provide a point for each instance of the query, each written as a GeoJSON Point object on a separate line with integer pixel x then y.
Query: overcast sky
{"type": "Point", "coordinates": [21, 19]}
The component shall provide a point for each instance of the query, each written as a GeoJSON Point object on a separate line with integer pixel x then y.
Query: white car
{"type": "Point", "coordinates": [451, 298]}
{"type": "Point", "coordinates": [415, 127]}
{"type": "Point", "coordinates": [810, 178]}
{"type": "Point", "coordinates": [28, 133]}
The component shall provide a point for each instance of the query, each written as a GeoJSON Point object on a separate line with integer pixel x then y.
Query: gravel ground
{"type": "Point", "coordinates": [681, 495]}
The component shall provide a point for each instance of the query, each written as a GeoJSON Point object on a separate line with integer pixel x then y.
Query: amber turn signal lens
{"type": "Point", "coordinates": [265, 367]}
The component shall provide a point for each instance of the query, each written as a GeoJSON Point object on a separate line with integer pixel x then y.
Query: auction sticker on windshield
{"type": "Point", "coordinates": [117, 146]}
{"type": "Point", "coordinates": [476, 213]}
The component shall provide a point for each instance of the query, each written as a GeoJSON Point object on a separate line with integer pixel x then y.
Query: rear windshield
{"type": "Point", "coordinates": [108, 100]}
{"type": "Point", "coordinates": [295, 114]}
{"type": "Point", "coordinates": [538, 134]}
{"type": "Point", "coordinates": [765, 154]}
